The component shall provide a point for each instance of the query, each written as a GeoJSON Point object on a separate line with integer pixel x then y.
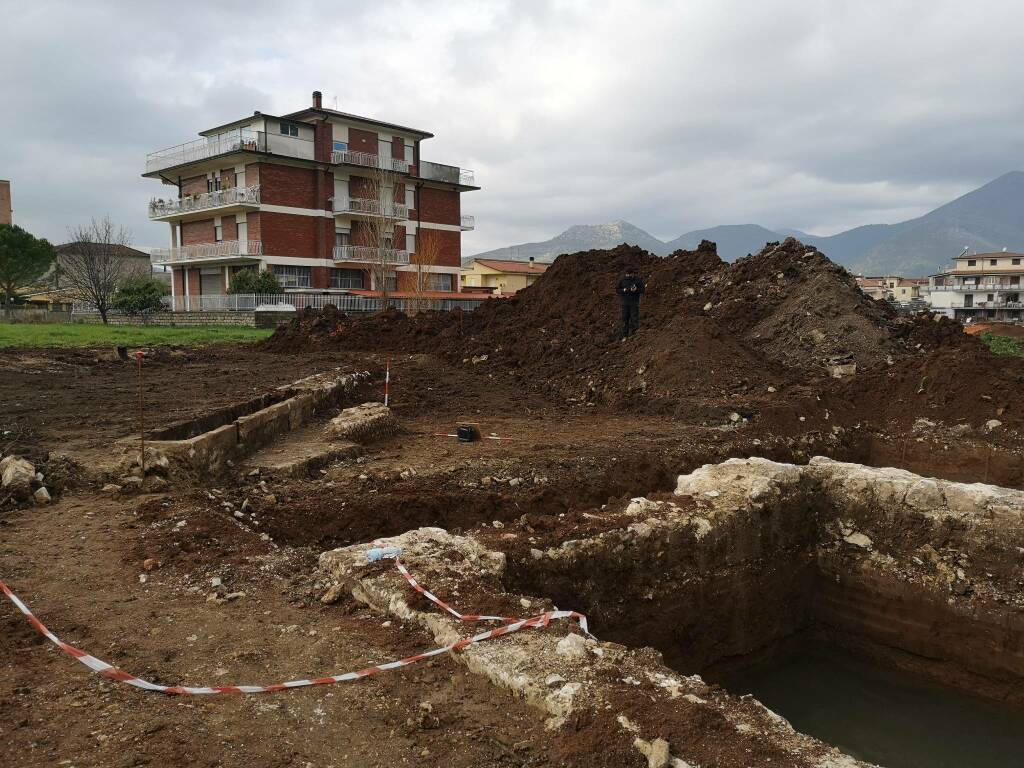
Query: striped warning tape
{"type": "Point", "coordinates": [113, 673]}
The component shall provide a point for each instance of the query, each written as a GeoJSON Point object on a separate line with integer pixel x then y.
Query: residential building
{"type": "Point", "coordinates": [6, 211]}
{"type": "Point", "coordinates": [897, 288]}
{"type": "Point", "coordinates": [980, 286]}
{"type": "Point", "coordinates": [500, 277]}
{"type": "Point", "coordinates": [328, 201]}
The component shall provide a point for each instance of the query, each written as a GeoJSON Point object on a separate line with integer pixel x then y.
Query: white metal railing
{"type": "Point", "coordinates": [207, 251]}
{"type": "Point", "coordinates": [200, 149]}
{"type": "Point", "coordinates": [467, 222]}
{"type": "Point", "coordinates": [298, 300]}
{"type": "Point", "coordinates": [370, 207]}
{"type": "Point", "coordinates": [370, 160]}
{"type": "Point", "coordinates": [366, 254]}
{"type": "Point", "coordinates": [447, 173]}
{"type": "Point", "coordinates": [215, 199]}
{"type": "Point", "coordinates": [979, 287]}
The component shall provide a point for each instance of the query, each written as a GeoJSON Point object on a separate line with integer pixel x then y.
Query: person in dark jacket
{"type": "Point", "coordinates": [630, 289]}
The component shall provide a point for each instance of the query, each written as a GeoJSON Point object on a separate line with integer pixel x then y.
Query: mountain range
{"type": "Point", "coordinates": [989, 218]}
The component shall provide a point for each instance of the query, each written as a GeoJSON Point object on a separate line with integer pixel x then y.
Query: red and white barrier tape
{"type": "Point", "coordinates": [113, 673]}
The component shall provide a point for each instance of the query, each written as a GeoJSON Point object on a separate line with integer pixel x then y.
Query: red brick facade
{"type": "Point", "coordinates": [439, 206]}
{"type": "Point", "coordinates": [195, 232]}
{"type": "Point", "coordinates": [285, 234]}
{"type": "Point", "coordinates": [362, 141]}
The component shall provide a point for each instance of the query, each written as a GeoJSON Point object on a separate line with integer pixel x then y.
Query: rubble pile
{"type": "Point", "coordinates": [782, 321]}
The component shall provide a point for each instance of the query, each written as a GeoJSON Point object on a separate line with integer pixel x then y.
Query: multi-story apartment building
{"type": "Point", "coordinates": [305, 195]}
{"type": "Point", "coordinates": [980, 286]}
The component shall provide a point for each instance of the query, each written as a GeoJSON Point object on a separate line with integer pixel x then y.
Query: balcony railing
{"type": "Point", "coordinates": [200, 149]}
{"type": "Point", "coordinates": [370, 207]}
{"type": "Point", "coordinates": [365, 254]}
{"type": "Point", "coordinates": [977, 287]}
{"type": "Point", "coordinates": [467, 222]}
{"type": "Point", "coordinates": [298, 300]}
{"type": "Point", "coordinates": [242, 140]}
{"type": "Point", "coordinates": [370, 160]}
{"type": "Point", "coordinates": [447, 173]}
{"type": "Point", "coordinates": [223, 249]}
{"type": "Point", "coordinates": [216, 199]}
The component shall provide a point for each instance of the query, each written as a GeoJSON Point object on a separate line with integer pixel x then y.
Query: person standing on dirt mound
{"type": "Point", "coordinates": [630, 289]}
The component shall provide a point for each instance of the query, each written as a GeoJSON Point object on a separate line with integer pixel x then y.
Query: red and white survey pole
{"type": "Point", "coordinates": [387, 381]}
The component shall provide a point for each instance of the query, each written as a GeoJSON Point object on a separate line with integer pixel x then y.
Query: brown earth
{"type": "Point", "coordinates": [585, 415]}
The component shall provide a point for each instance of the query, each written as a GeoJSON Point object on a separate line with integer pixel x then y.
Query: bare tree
{"type": "Point", "coordinates": [380, 227]}
{"type": "Point", "coordinates": [94, 263]}
{"type": "Point", "coordinates": [428, 254]}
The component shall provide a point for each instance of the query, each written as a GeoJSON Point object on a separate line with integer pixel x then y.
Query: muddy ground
{"type": "Point", "coordinates": [129, 579]}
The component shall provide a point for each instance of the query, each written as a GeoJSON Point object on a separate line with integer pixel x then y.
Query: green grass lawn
{"type": "Point", "coordinates": [81, 335]}
{"type": "Point", "coordinates": [1003, 345]}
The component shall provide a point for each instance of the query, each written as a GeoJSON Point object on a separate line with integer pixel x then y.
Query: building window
{"type": "Point", "coordinates": [439, 282]}
{"type": "Point", "coordinates": [408, 152]}
{"type": "Point", "coordinates": [968, 299]}
{"type": "Point", "coordinates": [340, 146]}
{"type": "Point", "coordinates": [289, 129]}
{"type": "Point", "coordinates": [993, 262]}
{"type": "Point", "coordinates": [972, 262]}
{"type": "Point", "coordinates": [293, 277]}
{"type": "Point", "coordinates": [410, 197]}
{"type": "Point", "coordinates": [990, 297]}
{"type": "Point", "coordinates": [1015, 262]}
{"type": "Point", "coordinates": [410, 242]}
{"type": "Point", "coordinates": [218, 232]}
{"type": "Point", "coordinates": [342, 237]}
{"type": "Point", "coordinates": [391, 282]}
{"type": "Point", "coordinates": [346, 278]}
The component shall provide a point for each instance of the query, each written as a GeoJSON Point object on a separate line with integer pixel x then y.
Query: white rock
{"type": "Point", "coordinates": [858, 540]}
{"type": "Point", "coordinates": [573, 646]}
{"type": "Point", "coordinates": [41, 496]}
{"type": "Point", "coordinates": [993, 424]}
{"type": "Point", "coordinates": [16, 476]}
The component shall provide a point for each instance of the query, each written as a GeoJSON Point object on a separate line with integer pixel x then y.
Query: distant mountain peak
{"type": "Point", "coordinates": [987, 219]}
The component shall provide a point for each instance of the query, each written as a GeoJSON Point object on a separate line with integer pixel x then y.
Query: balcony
{"type": "Point", "coordinates": [447, 173]}
{"type": "Point", "coordinates": [356, 206]}
{"type": "Point", "coordinates": [979, 288]}
{"type": "Point", "coordinates": [242, 140]}
{"type": "Point", "coordinates": [467, 223]}
{"type": "Point", "coordinates": [370, 160]}
{"type": "Point", "coordinates": [222, 198]}
{"type": "Point", "coordinates": [365, 254]}
{"type": "Point", "coordinates": [226, 249]}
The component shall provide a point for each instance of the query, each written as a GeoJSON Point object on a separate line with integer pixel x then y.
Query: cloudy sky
{"type": "Point", "coordinates": [672, 115]}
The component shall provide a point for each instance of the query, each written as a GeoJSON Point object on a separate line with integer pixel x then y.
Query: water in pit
{"type": "Point", "coordinates": [883, 716]}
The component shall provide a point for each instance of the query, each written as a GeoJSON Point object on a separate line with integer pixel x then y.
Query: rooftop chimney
{"type": "Point", "coordinates": [317, 99]}
{"type": "Point", "coordinates": [531, 262]}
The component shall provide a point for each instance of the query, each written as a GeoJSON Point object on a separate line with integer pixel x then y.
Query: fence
{"type": "Point", "coordinates": [30, 314]}
{"type": "Point", "coordinates": [287, 302]}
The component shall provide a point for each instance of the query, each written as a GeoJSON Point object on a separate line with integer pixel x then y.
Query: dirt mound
{"type": "Point", "coordinates": [714, 338]}
{"type": "Point", "coordinates": [960, 382]}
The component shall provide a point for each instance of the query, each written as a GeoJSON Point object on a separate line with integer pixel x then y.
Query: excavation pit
{"type": "Point", "coordinates": [745, 560]}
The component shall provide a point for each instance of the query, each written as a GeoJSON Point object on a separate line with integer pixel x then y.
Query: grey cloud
{"type": "Point", "coordinates": [673, 115]}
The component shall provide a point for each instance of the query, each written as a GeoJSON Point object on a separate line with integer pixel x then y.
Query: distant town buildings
{"type": "Point", "coordinates": [6, 211]}
{"type": "Point", "coordinates": [895, 288]}
{"type": "Point", "coordinates": [302, 195]}
{"type": "Point", "coordinates": [500, 277]}
{"type": "Point", "coordinates": [980, 286]}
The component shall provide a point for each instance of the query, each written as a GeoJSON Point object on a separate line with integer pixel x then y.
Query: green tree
{"type": "Point", "coordinates": [250, 281]}
{"type": "Point", "coordinates": [24, 259]}
{"type": "Point", "coordinates": [139, 296]}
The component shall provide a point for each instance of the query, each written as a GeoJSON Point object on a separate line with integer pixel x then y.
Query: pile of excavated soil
{"type": "Point", "coordinates": [757, 334]}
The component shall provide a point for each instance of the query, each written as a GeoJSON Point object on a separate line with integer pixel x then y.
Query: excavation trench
{"type": "Point", "coordinates": [831, 598]}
